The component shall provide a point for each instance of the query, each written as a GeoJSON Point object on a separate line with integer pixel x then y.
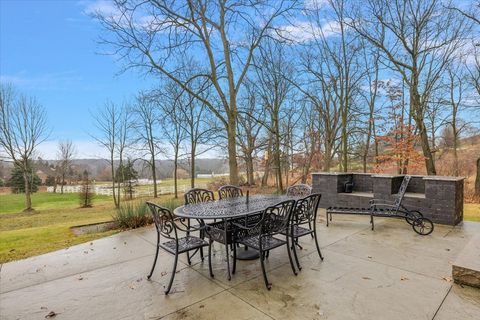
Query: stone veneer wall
{"type": "Point", "coordinates": [438, 198]}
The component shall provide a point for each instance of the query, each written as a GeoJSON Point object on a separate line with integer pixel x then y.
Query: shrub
{"type": "Point", "coordinates": [132, 215]}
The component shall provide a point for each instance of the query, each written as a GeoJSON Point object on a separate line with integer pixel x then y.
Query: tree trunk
{"type": "Point", "coordinates": [175, 174]}
{"type": "Point", "coordinates": [477, 179]}
{"type": "Point", "coordinates": [63, 183]}
{"type": "Point", "coordinates": [422, 130]}
{"type": "Point", "coordinates": [249, 165]}
{"type": "Point", "coordinates": [277, 157]}
{"type": "Point", "coordinates": [28, 198]}
{"type": "Point", "coordinates": [192, 165]}
{"type": "Point", "coordinates": [232, 150]}
{"type": "Point", "coordinates": [154, 176]}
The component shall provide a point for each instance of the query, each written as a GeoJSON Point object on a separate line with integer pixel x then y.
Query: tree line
{"type": "Point", "coordinates": [291, 86]}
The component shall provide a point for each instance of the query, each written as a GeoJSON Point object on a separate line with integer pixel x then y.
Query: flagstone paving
{"type": "Point", "coordinates": [389, 273]}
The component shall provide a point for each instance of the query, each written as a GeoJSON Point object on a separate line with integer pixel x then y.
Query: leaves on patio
{"type": "Point", "coordinates": [51, 314]}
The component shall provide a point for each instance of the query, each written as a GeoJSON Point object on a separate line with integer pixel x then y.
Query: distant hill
{"type": "Point", "coordinates": [100, 170]}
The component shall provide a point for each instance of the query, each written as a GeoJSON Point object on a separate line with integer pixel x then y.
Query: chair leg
{"type": "Point", "coordinates": [189, 259]}
{"type": "Point", "coordinates": [156, 256]}
{"type": "Point", "coordinates": [210, 242]}
{"type": "Point", "coordinates": [234, 268]}
{"type": "Point", "coordinates": [262, 261]}
{"type": "Point", "coordinates": [290, 256]}
{"type": "Point", "coordinates": [316, 243]}
{"type": "Point", "coordinates": [327, 218]}
{"type": "Point", "coordinates": [310, 227]}
{"type": "Point", "coordinates": [201, 253]}
{"type": "Point", "coordinates": [173, 274]}
{"type": "Point", "coordinates": [154, 263]}
{"type": "Point", "coordinates": [295, 255]}
{"type": "Point", "coordinates": [371, 222]}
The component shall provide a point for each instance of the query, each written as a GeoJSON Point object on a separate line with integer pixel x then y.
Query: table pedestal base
{"type": "Point", "coordinates": [247, 254]}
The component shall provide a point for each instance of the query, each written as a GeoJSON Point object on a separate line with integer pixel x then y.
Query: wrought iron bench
{"type": "Point", "coordinates": [389, 209]}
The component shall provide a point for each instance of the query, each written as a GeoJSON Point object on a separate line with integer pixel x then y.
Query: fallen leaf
{"type": "Point", "coordinates": [448, 279]}
{"type": "Point", "coordinates": [369, 257]}
{"type": "Point", "coordinates": [366, 278]}
{"type": "Point", "coordinates": [80, 278]}
{"type": "Point", "coordinates": [403, 278]}
{"type": "Point", "coordinates": [12, 250]}
{"type": "Point", "coordinates": [51, 314]}
{"type": "Point", "coordinates": [202, 306]}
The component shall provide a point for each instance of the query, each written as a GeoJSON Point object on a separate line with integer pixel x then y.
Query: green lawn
{"type": "Point", "coordinates": [471, 212]}
{"type": "Point", "coordinates": [48, 228]}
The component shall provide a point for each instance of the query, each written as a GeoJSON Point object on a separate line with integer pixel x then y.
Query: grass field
{"type": "Point", "coordinates": [471, 212]}
{"type": "Point", "coordinates": [48, 228]}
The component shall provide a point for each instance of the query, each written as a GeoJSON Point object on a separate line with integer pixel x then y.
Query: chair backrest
{"type": "Point", "coordinates": [229, 191]}
{"type": "Point", "coordinates": [276, 218]}
{"type": "Point", "coordinates": [299, 190]}
{"type": "Point", "coordinates": [306, 209]}
{"type": "Point", "coordinates": [164, 221]}
{"type": "Point", "coordinates": [197, 195]}
{"type": "Point", "coordinates": [401, 191]}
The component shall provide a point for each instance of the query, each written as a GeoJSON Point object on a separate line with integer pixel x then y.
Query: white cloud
{"type": "Point", "coordinates": [305, 31]}
{"type": "Point", "coordinates": [47, 81]}
{"type": "Point", "coordinates": [84, 150]}
{"type": "Point", "coordinates": [103, 7]}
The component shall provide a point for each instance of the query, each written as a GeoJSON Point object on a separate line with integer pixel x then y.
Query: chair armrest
{"type": "Point", "coordinates": [187, 228]}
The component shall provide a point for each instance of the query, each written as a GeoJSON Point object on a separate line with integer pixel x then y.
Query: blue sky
{"type": "Point", "coordinates": [48, 49]}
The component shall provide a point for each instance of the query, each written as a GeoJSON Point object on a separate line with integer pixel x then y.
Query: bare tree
{"type": "Point", "coordinates": [23, 127]}
{"type": "Point", "coordinates": [66, 152]}
{"type": "Point", "coordinates": [170, 102]}
{"type": "Point", "coordinates": [146, 120]}
{"type": "Point", "coordinates": [418, 39]}
{"type": "Point", "coordinates": [222, 37]}
{"type": "Point", "coordinates": [250, 119]}
{"type": "Point", "coordinates": [113, 127]}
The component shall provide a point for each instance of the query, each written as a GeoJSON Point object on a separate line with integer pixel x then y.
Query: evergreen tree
{"type": "Point", "coordinates": [86, 193]}
{"type": "Point", "coordinates": [17, 181]}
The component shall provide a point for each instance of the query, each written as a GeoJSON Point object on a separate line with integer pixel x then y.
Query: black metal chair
{"type": "Point", "coordinates": [229, 191]}
{"type": "Point", "coordinates": [303, 217]}
{"type": "Point", "coordinates": [299, 190]}
{"type": "Point", "coordinates": [167, 227]}
{"type": "Point", "coordinates": [261, 236]}
{"type": "Point", "coordinates": [194, 196]}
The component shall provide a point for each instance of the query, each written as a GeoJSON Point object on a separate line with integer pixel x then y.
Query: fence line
{"type": "Point", "coordinates": [107, 190]}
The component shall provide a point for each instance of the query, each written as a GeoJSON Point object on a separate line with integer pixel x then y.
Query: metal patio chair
{"type": "Point", "coordinates": [229, 191]}
{"type": "Point", "coordinates": [168, 226]}
{"type": "Point", "coordinates": [299, 190]}
{"type": "Point", "coordinates": [303, 217]}
{"type": "Point", "coordinates": [389, 209]}
{"type": "Point", "coordinates": [194, 196]}
{"type": "Point", "coordinates": [263, 236]}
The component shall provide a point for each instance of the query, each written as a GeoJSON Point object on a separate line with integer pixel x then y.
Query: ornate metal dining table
{"type": "Point", "coordinates": [227, 210]}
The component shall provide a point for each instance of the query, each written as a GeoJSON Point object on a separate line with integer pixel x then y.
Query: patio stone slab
{"type": "Point", "coordinates": [466, 269]}
{"type": "Point", "coordinates": [394, 243]}
{"type": "Point", "coordinates": [120, 291]}
{"type": "Point", "coordinates": [73, 260]}
{"type": "Point", "coordinates": [462, 303]}
{"type": "Point", "coordinates": [221, 306]}
{"type": "Point", "coordinates": [344, 288]}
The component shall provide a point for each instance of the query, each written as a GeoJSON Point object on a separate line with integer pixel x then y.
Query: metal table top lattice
{"type": "Point", "coordinates": [230, 208]}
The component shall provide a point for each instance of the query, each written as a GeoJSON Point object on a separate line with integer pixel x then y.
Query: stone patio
{"type": "Point", "coordinates": [389, 273]}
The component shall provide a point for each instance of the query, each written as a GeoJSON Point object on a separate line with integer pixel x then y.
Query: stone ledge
{"type": "Point", "coordinates": [466, 268]}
